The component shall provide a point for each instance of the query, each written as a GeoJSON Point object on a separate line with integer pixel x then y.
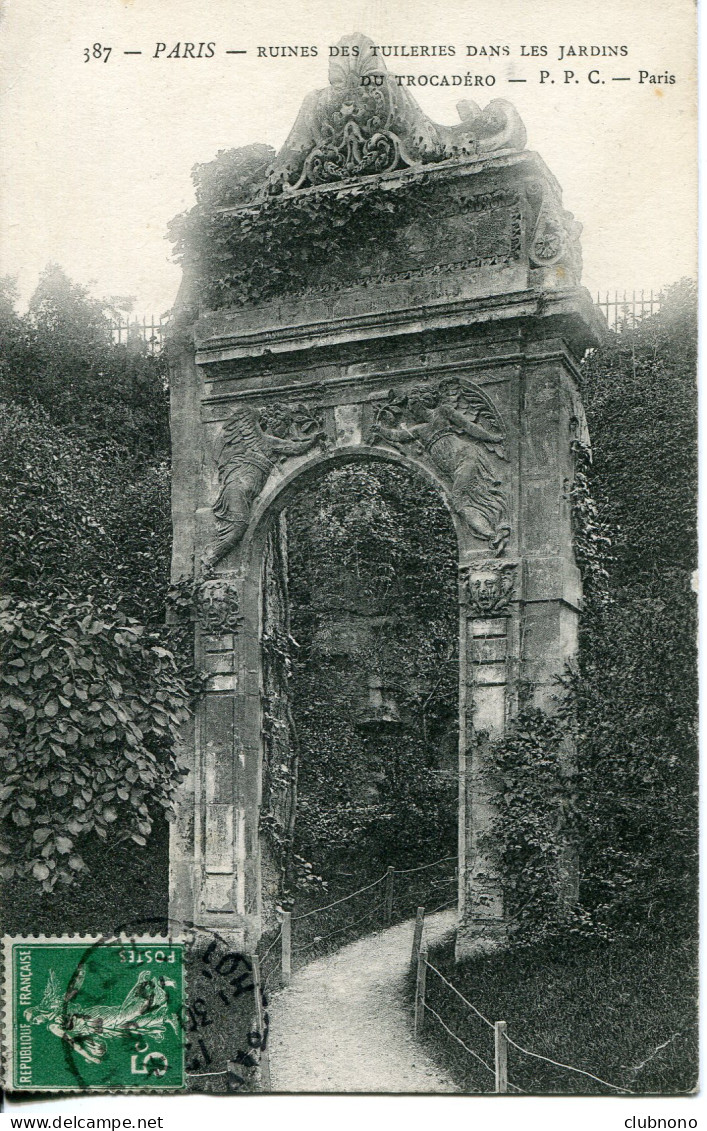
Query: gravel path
{"type": "Point", "coordinates": [341, 1026]}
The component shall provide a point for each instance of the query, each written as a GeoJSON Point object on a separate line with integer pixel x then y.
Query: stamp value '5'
{"type": "Point", "coordinates": [88, 1014]}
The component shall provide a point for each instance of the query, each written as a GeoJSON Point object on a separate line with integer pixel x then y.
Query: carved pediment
{"type": "Point", "coordinates": [367, 122]}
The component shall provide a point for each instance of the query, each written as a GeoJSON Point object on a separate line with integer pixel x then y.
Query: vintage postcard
{"type": "Point", "coordinates": [348, 605]}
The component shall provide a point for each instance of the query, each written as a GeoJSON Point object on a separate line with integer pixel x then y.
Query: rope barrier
{"type": "Point", "coordinates": [460, 1041]}
{"type": "Point", "coordinates": [346, 926]}
{"type": "Point", "coordinates": [327, 906]}
{"type": "Point", "coordinates": [449, 903]}
{"type": "Point", "coordinates": [266, 973]}
{"type": "Point", "coordinates": [569, 1067]}
{"type": "Point", "coordinates": [515, 1045]}
{"type": "Point", "coordinates": [364, 918]}
{"type": "Point", "coordinates": [456, 991]}
{"type": "Point", "coordinates": [421, 867]}
{"type": "Point", "coordinates": [272, 946]}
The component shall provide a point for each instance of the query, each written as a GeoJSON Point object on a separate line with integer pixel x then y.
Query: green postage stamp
{"type": "Point", "coordinates": [84, 1014]}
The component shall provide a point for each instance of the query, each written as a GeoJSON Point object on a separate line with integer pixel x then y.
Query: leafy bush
{"type": "Point", "coordinates": [636, 686]}
{"type": "Point", "coordinates": [83, 519]}
{"type": "Point", "coordinates": [90, 697]}
{"type": "Point", "coordinates": [87, 713]}
{"type": "Point", "coordinates": [61, 355]}
{"type": "Point", "coordinates": [640, 396]}
{"type": "Point", "coordinates": [374, 547]}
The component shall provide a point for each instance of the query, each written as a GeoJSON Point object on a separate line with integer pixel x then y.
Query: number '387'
{"type": "Point", "coordinates": [98, 51]}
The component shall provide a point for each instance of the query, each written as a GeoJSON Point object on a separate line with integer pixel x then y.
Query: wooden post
{"type": "Point", "coordinates": [260, 1024]}
{"type": "Point", "coordinates": [389, 881]}
{"type": "Point", "coordinates": [501, 1056]}
{"type": "Point", "coordinates": [417, 936]}
{"type": "Point", "coordinates": [286, 947]}
{"type": "Point", "coordinates": [420, 989]}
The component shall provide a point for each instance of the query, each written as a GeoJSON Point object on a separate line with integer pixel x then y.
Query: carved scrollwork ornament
{"type": "Point", "coordinates": [367, 122]}
{"type": "Point", "coordinates": [555, 235]}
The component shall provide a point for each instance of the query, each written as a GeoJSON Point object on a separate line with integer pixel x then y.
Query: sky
{"type": "Point", "coordinates": [95, 156]}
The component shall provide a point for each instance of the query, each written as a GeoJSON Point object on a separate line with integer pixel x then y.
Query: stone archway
{"type": "Point", "coordinates": [368, 698]}
{"type": "Point", "coordinates": [459, 361]}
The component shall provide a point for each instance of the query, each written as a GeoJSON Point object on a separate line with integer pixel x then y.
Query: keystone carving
{"type": "Point", "coordinates": [252, 442]}
{"type": "Point", "coordinates": [459, 430]}
{"type": "Point", "coordinates": [365, 122]}
{"type": "Point", "coordinates": [218, 607]}
{"type": "Point", "coordinates": [487, 597]}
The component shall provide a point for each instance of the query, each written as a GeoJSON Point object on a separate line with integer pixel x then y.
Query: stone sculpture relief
{"type": "Point", "coordinates": [489, 596]}
{"type": "Point", "coordinates": [456, 426]}
{"type": "Point", "coordinates": [218, 607]}
{"type": "Point", "coordinates": [555, 234]}
{"type": "Point", "coordinates": [365, 122]}
{"type": "Point", "coordinates": [252, 442]}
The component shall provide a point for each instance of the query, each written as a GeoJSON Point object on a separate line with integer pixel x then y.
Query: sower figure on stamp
{"type": "Point", "coordinates": [145, 1010]}
{"type": "Point", "coordinates": [453, 439]}
{"type": "Point", "coordinates": [247, 456]}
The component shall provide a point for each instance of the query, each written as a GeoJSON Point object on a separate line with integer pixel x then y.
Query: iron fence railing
{"type": "Point", "coordinates": [628, 307]}
{"type": "Point", "coordinates": [150, 329]}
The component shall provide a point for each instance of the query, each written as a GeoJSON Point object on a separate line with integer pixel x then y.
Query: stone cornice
{"type": "Point", "coordinates": [214, 347]}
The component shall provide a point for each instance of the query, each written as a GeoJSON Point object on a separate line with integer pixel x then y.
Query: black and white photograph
{"type": "Point", "coordinates": [348, 595]}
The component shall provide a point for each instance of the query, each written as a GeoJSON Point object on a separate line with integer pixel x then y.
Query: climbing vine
{"type": "Point", "coordinates": [533, 834]}
{"type": "Point", "coordinates": [592, 536]}
{"type": "Point", "coordinates": [626, 801]}
{"type": "Point", "coordinates": [287, 244]}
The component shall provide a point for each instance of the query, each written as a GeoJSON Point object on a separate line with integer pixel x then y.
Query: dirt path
{"type": "Point", "coordinates": [342, 1026]}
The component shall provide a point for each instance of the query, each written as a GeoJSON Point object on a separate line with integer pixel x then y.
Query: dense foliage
{"type": "Point", "coordinates": [60, 355]}
{"type": "Point", "coordinates": [373, 593]}
{"type": "Point", "coordinates": [91, 691]}
{"type": "Point", "coordinates": [281, 245]}
{"type": "Point", "coordinates": [640, 397]}
{"type": "Point", "coordinates": [88, 711]}
{"type": "Point", "coordinates": [636, 687]}
{"type": "Point", "coordinates": [628, 812]}
{"type": "Point", "coordinates": [83, 517]}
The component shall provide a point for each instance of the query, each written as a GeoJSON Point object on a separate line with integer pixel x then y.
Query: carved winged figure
{"type": "Point", "coordinates": [454, 425]}
{"type": "Point", "coordinates": [144, 1010]}
{"type": "Point", "coordinates": [246, 456]}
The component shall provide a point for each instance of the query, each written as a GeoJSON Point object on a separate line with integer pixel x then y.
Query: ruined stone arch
{"type": "Point", "coordinates": [277, 495]}
{"type": "Point", "coordinates": [260, 545]}
{"type": "Point", "coordinates": [452, 347]}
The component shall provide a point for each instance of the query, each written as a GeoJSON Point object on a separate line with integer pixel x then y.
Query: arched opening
{"type": "Point", "coordinates": [360, 677]}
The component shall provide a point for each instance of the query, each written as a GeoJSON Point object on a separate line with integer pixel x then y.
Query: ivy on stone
{"type": "Point", "coordinates": [279, 245]}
